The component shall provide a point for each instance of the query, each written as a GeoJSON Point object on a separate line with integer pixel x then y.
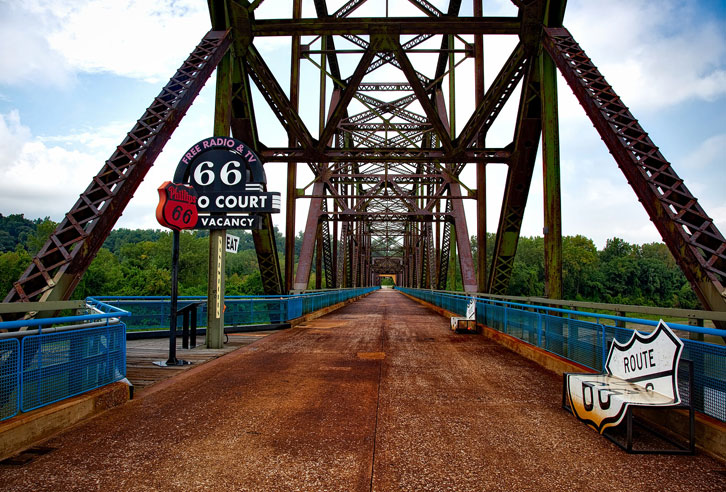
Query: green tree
{"type": "Point", "coordinates": [37, 239]}
{"type": "Point", "coordinates": [615, 248]}
{"type": "Point", "coordinates": [528, 270]}
{"type": "Point", "coordinates": [12, 266]}
{"type": "Point", "coordinates": [104, 277]}
{"type": "Point", "coordinates": [580, 268]}
{"type": "Point", "coordinates": [193, 259]}
{"type": "Point", "coordinates": [16, 230]}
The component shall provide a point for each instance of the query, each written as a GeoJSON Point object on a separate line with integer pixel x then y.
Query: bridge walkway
{"type": "Point", "coordinates": [378, 395]}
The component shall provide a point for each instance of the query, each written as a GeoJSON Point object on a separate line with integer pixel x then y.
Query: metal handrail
{"type": "Point", "coordinates": [596, 316]}
{"type": "Point", "coordinates": [57, 329]}
{"type": "Point", "coordinates": [629, 308]}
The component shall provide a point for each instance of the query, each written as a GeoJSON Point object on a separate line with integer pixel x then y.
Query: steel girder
{"type": "Point", "coordinates": [692, 237]}
{"type": "Point", "coordinates": [519, 177]}
{"type": "Point", "coordinates": [62, 261]}
{"type": "Point", "coordinates": [387, 155]}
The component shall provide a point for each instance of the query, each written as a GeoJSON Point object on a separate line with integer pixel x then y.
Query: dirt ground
{"type": "Point", "coordinates": [379, 395]}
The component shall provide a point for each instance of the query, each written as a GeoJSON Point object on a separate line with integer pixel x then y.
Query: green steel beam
{"type": "Point", "coordinates": [555, 10]}
{"type": "Point", "coordinates": [551, 179]}
{"type": "Point", "coordinates": [519, 178]}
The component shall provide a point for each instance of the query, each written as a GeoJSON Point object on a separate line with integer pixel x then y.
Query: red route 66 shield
{"type": "Point", "coordinates": [177, 207]}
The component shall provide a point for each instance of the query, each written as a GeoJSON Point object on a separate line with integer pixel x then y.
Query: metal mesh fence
{"type": "Point", "coordinates": [588, 343]}
{"type": "Point", "coordinates": [9, 378]}
{"type": "Point", "coordinates": [154, 313]}
{"type": "Point", "coordinates": [60, 365]}
{"type": "Point", "coordinates": [319, 300]}
{"type": "Point", "coordinates": [709, 364]}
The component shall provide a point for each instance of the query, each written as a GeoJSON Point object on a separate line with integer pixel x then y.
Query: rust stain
{"type": "Point", "coordinates": [324, 325]}
{"type": "Point", "coordinates": [336, 368]}
{"type": "Point", "coordinates": [372, 355]}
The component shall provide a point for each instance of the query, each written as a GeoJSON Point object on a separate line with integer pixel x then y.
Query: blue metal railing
{"type": "Point", "coordinates": [152, 313]}
{"type": "Point", "coordinates": [56, 358]}
{"type": "Point", "coordinates": [9, 378]}
{"type": "Point", "coordinates": [57, 366]}
{"type": "Point", "coordinates": [586, 341]}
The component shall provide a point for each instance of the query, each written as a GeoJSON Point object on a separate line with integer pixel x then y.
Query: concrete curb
{"type": "Point", "coordinates": [26, 429]}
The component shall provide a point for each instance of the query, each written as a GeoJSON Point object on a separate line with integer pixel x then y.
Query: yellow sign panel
{"type": "Point", "coordinates": [220, 252]}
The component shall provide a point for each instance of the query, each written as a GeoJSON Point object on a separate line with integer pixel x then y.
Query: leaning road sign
{"type": "Point", "coordinates": [641, 372]}
{"type": "Point", "coordinates": [467, 324]}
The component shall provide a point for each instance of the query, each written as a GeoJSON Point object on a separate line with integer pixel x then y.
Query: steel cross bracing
{"type": "Point", "coordinates": [385, 160]}
{"type": "Point", "coordinates": [62, 261]}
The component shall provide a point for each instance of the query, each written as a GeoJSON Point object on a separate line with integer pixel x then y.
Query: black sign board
{"type": "Point", "coordinates": [229, 181]}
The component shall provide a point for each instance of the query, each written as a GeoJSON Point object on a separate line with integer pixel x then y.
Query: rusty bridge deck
{"type": "Point", "coordinates": [379, 395]}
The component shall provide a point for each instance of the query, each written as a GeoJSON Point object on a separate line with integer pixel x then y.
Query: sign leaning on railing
{"type": "Point", "coordinates": [641, 372]}
{"type": "Point", "coordinates": [467, 324]}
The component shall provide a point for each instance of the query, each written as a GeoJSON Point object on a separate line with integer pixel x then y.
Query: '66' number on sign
{"type": "Point", "coordinates": [177, 207]}
{"type": "Point", "coordinates": [181, 213]}
{"type": "Point", "coordinates": [229, 173]}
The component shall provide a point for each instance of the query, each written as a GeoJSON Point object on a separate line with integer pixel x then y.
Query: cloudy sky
{"type": "Point", "coordinates": [76, 74]}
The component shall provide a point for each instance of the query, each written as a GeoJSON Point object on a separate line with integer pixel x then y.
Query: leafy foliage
{"type": "Point", "coordinates": [138, 262]}
{"type": "Point", "coordinates": [621, 273]}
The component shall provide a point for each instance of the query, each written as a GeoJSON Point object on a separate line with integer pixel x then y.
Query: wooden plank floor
{"type": "Point", "coordinates": [141, 355]}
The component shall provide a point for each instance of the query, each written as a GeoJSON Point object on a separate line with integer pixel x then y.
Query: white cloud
{"type": "Point", "coordinates": [646, 50]}
{"type": "Point", "coordinates": [656, 54]}
{"type": "Point", "coordinates": [709, 154]}
{"type": "Point", "coordinates": [53, 40]}
{"type": "Point", "coordinates": [27, 55]}
{"type": "Point", "coordinates": [39, 180]}
{"type": "Point", "coordinates": [13, 134]}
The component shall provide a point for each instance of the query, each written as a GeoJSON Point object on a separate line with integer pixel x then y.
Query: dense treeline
{"type": "Point", "coordinates": [138, 262]}
{"type": "Point", "coordinates": [134, 261]}
{"type": "Point", "coordinates": [620, 273]}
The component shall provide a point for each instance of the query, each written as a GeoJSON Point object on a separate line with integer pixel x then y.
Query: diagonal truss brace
{"type": "Point", "coordinates": [693, 239]}
{"type": "Point", "coordinates": [62, 261]}
{"type": "Point", "coordinates": [519, 178]}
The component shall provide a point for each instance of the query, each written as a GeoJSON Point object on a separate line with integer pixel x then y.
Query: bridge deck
{"type": "Point", "coordinates": [379, 396]}
{"type": "Point", "coordinates": [141, 355]}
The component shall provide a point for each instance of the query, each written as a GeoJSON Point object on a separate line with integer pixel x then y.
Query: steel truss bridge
{"type": "Point", "coordinates": [387, 193]}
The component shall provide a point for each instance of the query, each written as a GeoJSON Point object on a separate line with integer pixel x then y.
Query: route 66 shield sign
{"type": "Point", "coordinates": [177, 207]}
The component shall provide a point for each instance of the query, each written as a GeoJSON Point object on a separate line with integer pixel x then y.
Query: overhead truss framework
{"type": "Point", "coordinates": [380, 152]}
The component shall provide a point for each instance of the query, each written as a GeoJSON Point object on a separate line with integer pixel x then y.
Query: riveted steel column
{"type": "Point", "coordinates": [338, 278]}
{"type": "Point", "coordinates": [452, 260]}
{"type": "Point", "coordinates": [292, 166]}
{"type": "Point", "coordinates": [481, 169]}
{"type": "Point", "coordinates": [555, 11]}
{"type": "Point", "coordinates": [319, 257]}
{"type": "Point", "coordinates": [321, 128]}
{"type": "Point", "coordinates": [305, 260]}
{"type": "Point", "coordinates": [551, 179]}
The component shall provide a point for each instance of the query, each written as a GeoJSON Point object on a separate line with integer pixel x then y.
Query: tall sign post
{"type": "Point", "coordinates": [229, 181]}
{"type": "Point", "coordinates": [219, 184]}
{"type": "Point", "coordinates": [176, 210]}
{"type": "Point", "coordinates": [217, 258]}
